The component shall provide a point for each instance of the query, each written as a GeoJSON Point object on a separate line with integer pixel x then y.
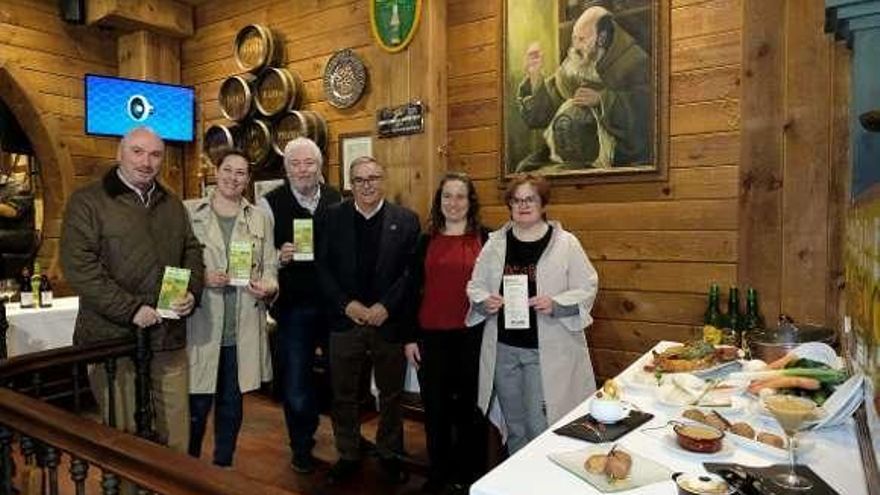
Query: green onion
{"type": "Point", "coordinates": [824, 375]}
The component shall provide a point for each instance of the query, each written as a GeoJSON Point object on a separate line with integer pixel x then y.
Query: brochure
{"type": "Point", "coordinates": [303, 239]}
{"type": "Point", "coordinates": [240, 262]}
{"type": "Point", "coordinates": [516, 301]}
{"type": "Point", "coordinates": [174, 287]}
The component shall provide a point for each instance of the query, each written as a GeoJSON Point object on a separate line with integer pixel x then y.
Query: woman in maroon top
{"type": "Point", "coordinates": [445, 352]}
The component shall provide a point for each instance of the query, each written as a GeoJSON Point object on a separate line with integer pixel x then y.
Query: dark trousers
{"type": "Point", "coordinates": [455, 428]}
{"type": "Point", "coordinates": [348, 351]}
{"type": "Point", "coordinates": [299, 334]}
{"type": "Point", "coordinates": [227, 411]}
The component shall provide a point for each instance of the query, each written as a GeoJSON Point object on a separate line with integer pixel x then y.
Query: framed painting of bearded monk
{"type": "Point", "coordinates": [583, 87]}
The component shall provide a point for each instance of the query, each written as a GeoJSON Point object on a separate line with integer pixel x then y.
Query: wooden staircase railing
{"type": "Point", "coordinates": [150, 466]}
{"type": "Point", "coordinates": [47, 433]}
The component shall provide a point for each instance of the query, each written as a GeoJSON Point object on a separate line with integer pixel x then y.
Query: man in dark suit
{"type": "Point", "coordinates": [363, 254]}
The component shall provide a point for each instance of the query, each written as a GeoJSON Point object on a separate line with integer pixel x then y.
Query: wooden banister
{"type": "Point", "coordinates": [64, 356]}
{"type": "Point", "coordinates": [151, 466]}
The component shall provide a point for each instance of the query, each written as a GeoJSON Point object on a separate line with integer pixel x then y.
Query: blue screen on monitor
{"type": "Point", "coordinates": [116, 105]}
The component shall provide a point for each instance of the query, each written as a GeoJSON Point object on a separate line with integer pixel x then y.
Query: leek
{"type": "Point", "coordinates": [825, 376]}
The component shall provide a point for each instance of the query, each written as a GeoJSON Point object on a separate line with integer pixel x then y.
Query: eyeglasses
{"type": "Point", "coordinates": [362, 181]}
{"type": "Point", "coordinates": [526, 201]}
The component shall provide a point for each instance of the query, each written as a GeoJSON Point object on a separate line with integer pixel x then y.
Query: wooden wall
{"type": "Point", "coordinates": [43, 61]}
{"type": "Point", "coordinates": [656, 245]}
{"type": "Point", "coordinates": [311, 29]}
{"type": "Point", "coordinates": [748, 161]}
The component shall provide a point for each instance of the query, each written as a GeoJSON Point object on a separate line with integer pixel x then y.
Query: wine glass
{"type": "Point", "coordinates": [791, 413]}
{"type": "Point", "coordinates": [8, 288]}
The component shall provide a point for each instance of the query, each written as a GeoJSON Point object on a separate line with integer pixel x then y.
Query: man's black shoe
{"type": "Point", "coordinates": [367, 447]}
{"type": "Point", "coordinates": [458, 489]}
{"type": "Point", "coordinates": [393, 471]}
{"type": "Point", "coordinates": [343, 470]}
{"type": "Point", "coordinates": [303, 463]}
{"type": "Point", "coordinates": [433, 486]}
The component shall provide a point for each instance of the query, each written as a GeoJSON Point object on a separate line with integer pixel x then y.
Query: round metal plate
{"type": "Point", "coordinates": [345, 78]}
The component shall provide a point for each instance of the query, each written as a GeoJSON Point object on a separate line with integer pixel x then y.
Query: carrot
{"type": "Point", "coordinates": [785, 382]}
{"type": "Point", "coordinates": [781, 362]}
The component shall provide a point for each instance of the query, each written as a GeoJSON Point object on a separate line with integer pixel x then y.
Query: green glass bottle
{"type": "Point", "coordinates": [735, 319]}
{"type": "Point", "coordinates": [713, 319]}
{"type": "Point", "coordinates": [753, 319]}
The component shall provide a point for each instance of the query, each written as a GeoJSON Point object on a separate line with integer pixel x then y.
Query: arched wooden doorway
{"type": "Point", "coordinates": [56, 167]}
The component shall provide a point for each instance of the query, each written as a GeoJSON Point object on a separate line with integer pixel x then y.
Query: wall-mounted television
{"type": "Point", "coordinates": [115, 105]}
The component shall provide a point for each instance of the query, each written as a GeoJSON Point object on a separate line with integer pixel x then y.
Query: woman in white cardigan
{"type": "Point", "coordinates": [538, 367]}
{"type": "Point", "coordinates": [227, 343]}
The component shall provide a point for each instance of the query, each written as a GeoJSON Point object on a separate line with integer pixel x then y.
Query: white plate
{"type": "Point", "coordinates": [640, 378]}
{"type": "Point", "coordinates": [843, 402]}
{"type": "Point", "coordinates": [681, 389]}
{"type": "Point", "coordinates": [737, 406]}
{"type": "Point", "coordinates": [667, 437]}
{"type": "Point", "coordinates": [643, 472]}
{"type": "Point", "coordinates": [817, 351]}
{"type": "Point", "coordinates": [720, 369]}
{"type": "Point", "coordinates": [803, 445]}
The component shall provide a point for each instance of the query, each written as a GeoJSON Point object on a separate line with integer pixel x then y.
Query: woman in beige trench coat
{"type": "Point", "coordinates": [227, 343]}
{"type": "Point", "coordinates": [538, 368]}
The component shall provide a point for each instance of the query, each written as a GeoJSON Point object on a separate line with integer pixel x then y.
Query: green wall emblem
{"type": "Point", "coordinates": [395, 22]}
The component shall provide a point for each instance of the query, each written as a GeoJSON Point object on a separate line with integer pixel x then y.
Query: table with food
{"type": "Point", "coordinates": [702, 418]}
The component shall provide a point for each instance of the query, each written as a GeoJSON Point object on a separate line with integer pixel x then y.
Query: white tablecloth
{"type": "Point", "coordinates": [834, 456]}
{"type": "Point", "coordinates": [39, 329]}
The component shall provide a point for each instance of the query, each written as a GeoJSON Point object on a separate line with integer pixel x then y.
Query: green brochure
{"type": "Point", "coordinates": [174, 287]}
{"type": "Point", "coordinates": [303, 239]}
{"type": "Point", "coordinates": [240, 261]}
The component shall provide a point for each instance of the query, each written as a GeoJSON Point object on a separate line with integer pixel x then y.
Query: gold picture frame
{"type": "Point", "coordinates": [618, 131]}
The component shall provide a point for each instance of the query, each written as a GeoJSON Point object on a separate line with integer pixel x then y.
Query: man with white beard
{"type": "Point", "coordinates": [594, 108]}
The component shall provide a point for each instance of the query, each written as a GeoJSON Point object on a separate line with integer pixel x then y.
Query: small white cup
{"type": "Point", "coordinates": [607, 410]}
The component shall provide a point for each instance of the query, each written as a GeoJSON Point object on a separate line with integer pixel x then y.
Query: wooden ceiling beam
{"type": "Point", "coordinates": [168, 17]}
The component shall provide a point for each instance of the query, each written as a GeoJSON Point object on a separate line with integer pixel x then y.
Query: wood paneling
{"type": "Point", "coordinates": [48, 59]}
{"type": "Point", "coordinates": [662, 276]}
{"type": "Point", "coordinates": [634, 336]}
{"type": "Point", "coordinates": [704, 150]}
{"type": "Point", "coordinates": [168, 17]}
{"type": "Point", "coordinates": [707, 17]}
{"type": "Point", "coordinates": [656, 245]}
{"type": "Point", "coordinates": [805, 194]}
{"type": "Point", "coordinates": [311, 31]}
{"type": "Point", "coordinates": [762, 151]}
{"type": "Point", "coordinates": [705, 85]}
{"type": "Point", "coordinates": [702, 52]}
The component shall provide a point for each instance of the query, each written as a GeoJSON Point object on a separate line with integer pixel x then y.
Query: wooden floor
{"type": "Point", "coordinates": [263, 454]}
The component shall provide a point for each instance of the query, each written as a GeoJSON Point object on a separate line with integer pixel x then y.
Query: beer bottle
{"type": "Point", "coordinates": [46, 295]}
{"type": "Point", "coordinates": [35, 284]}
{"type": "Point", "coordinates": [25, 291]}
{"type": "Point", "coordinates": [753, 319]}
{"type": "Point", "coordinates": [713, 320]}
{"type": "Point", "coordinates": [735, 319]}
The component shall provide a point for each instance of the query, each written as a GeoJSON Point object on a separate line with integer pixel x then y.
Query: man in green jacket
{"type": "Point", "coordinates": [119, 234]}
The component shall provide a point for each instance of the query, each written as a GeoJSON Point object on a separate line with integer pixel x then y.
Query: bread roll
{"type": "Point", "coordinates": [596, 463]}
{"type": "Point", "coordinates": [618, 465]}
{"type": "Point", "coordinates": [743, 429]}
{"type": "Point", "coordinates": [771, 439]}
{"type": "Point", "coordinates": [695, 415]}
